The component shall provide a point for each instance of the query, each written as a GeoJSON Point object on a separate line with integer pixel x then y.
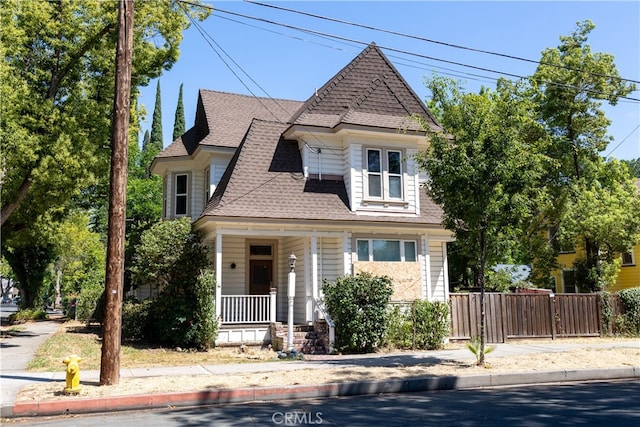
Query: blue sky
{"type": "Point", "coordinates": [282, 62]}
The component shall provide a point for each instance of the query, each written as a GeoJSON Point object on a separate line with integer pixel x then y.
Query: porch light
{"type": "Point", "coordinates": [292, 262]}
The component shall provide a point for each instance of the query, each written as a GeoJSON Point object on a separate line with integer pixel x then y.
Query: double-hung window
{"type": "Point", "coordinates": [181, 194]}
{"type": "Point", "coordinates": [386, 250]}
{"type": "Point", "coordinates": [627, 258]}
{"type": "Point", "coordinates": [384, 173]}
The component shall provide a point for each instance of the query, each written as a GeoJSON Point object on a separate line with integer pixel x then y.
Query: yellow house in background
{"type": "Point", "coordinates": [628, 277]}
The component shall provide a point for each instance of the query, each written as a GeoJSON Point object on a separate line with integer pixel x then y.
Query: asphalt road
{"type": "Point", "coordinates": [585, 404]}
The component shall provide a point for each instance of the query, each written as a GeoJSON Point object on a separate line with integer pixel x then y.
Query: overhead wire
{"type": "Point", "coordinates": [424, 39]}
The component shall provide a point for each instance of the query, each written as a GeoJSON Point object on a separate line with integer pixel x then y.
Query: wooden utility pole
{"type": "Point", "coordinates": [114, 284]}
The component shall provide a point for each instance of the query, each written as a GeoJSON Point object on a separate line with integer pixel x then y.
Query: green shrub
{"type": "Point", "coordinates": [431, 324]}
{"type": "Point", "coordinates": [399, 333]}
{"type": "Point", "coordinates": [606, 311]}
{"type": "Point", "coordinates": [630, 322]}
{"type": "Point", "coordinates": [170, 258]}
{"type": "Point", "coordinates": [89, 305]}
{"type": "Point", "coordinates": [28, 314]}
{"type": "Point", "coordinates": [423, 325]}
{"type": "Point", "coordinates": [358, 305]}
{"type": "Point", "coordinates": [135, 315]}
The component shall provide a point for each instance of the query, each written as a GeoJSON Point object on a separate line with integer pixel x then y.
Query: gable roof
{"type": "Point", "coordinates": [277, 189]}
{"type": "Point", "coordinates": [369, 91]}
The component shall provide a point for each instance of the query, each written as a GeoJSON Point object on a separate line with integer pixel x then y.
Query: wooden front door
{"type": "Point", "coordinates": [261, 276]}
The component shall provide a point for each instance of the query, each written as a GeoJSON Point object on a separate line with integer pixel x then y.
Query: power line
{"type": "Point", "coordinates": [623, 140]}
{"type": "Point", "coordinates": [319, 33]}
{"type": "Point", "coordinates": [396, 33]}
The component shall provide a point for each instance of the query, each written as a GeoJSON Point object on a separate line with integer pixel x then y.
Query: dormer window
{"type": "Point", "coordinates": [384, 174]}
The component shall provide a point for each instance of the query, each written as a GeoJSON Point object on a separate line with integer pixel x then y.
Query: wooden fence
{"type": "Point", "coordinates": [516, 316]}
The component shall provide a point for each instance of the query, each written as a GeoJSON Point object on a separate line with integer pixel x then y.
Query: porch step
{"type": "Point", "coordinates": [305, 340]}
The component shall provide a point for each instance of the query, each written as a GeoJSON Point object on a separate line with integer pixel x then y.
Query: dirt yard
{"type": "Point", "coordinates": [610, 357]}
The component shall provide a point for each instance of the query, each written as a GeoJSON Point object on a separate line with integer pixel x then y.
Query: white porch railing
{"type": "Point", "coordinates": [321, 313]}
{"type": "Point", "coordinates": [236, 309]}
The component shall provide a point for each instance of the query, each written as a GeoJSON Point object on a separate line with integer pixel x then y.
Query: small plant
{"type": "Point", "coordinates": [474, 346]}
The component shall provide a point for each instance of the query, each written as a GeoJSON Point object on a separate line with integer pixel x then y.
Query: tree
{"type": "Point", "coordinates": [484, 170]}
{"type": "Point", "coordinates": [56, 84]}
{"type": "Point", "coordinates": [179, 121]}
{"type": "Point", "coordinates": [574, 81]}
{"type": "Point", "coordinates": [634, 166]}
{"type": "Point", "coordinates": [155, 144]}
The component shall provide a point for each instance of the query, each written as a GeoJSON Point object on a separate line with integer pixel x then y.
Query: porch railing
{"type": "Point", "coordinates": [236, 309]}
{"type": "Point", "coordinates": [321, 313]}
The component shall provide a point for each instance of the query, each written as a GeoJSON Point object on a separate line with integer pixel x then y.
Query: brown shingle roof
{"type": "Point", "coordinates": [369, 91]}
{"type": "Point", "coordinates": [223, 118]}
{"type": "Point", "coordinates": [265, 180]}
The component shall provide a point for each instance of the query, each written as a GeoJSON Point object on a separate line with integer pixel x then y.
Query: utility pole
{"type": "Point", "coordinates": [114, 284]}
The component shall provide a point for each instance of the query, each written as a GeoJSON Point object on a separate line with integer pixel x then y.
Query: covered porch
{"type": "Point", "coordinates": [252, 279]}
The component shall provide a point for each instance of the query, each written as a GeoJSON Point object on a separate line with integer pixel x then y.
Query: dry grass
{"type": "Point", "coordinates": [75, 338]}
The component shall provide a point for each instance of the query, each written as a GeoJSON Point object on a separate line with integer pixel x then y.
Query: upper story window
{"type": "Point", "coordinates": [558, 246]}
{"type": "Point", "coordinates": [627, 258]}
{"type": "Point", "coordinates": [384, 174]}
{"type": "Point", "coordinates": [207, 185]}
{"type": "Point", "coordinates": [386, 250]}
{"type": "Point", "coordinates": [181, 194]}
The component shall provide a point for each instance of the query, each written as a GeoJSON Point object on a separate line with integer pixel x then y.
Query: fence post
{"type": "Point", "coordinates": [503, 309]}
{"type": "Point", "coordinates": [552, 308]}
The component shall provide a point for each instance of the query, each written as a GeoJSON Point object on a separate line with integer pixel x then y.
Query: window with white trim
{"type": "Point", "coordinates": [181, 182]}
{"type": "Point", "coordinates": [384, 174]}
{"type": "Point", "coordinates": [627, 258]}
{"type": "Point", "coordinates": [386, 250]}
{"type": "Point", "coordinates": [207, 185]}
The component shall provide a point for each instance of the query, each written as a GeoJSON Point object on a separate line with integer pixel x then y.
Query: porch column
{"type": "Point", "coordinates": [314, 280]}
{"type": "Point", "coordinates": [218, 274]}
{"type": "Point", "coordinates": [445, 267]}
{"type": "Point", "coordinates": [427, 267]}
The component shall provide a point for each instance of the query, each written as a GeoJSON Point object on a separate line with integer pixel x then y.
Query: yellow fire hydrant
{"type": "Point", "coordinates": [73, 373]}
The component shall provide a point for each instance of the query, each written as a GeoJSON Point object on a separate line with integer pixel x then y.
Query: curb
{"type": "Point", "coordinates": [254, 394]}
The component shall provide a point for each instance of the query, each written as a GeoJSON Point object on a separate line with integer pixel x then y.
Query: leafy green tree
{"type": "Point", "coordinates": [179, 121]}
{"type": "Point", "coordinates": [80, 257]}
{"type": "Point", "coordinates": [574, 82]}
{"type": "Point", "coordinates": [484, 170]}
{"type": "Point", "coordinates": [57, 84]}
{"type": "Point", "coordinates": [634, 166]}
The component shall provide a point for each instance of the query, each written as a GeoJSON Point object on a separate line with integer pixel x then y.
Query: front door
{"type": "Point", "coordinates": [261, 277]}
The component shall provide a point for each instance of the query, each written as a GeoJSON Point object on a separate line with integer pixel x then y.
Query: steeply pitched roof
{"type": "Point", "coordinates": [223, 118]}
{"type": "Point", "coordinates": [265, 180]}
{"type": "Point", "coordinates": [369, 91]}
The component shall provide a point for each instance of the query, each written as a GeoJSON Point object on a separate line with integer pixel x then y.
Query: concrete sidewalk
{"type": "Point", "coordinates": [14, 377]}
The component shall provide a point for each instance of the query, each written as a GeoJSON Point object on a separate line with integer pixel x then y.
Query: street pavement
{"type": "Point", "coordinates": [19, 349]}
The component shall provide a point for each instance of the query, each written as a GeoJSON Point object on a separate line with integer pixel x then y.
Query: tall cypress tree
{"type": "Point", "coordinates": [153, 145]}
{"type": "Point", "coordinates": [178, 124]}
{"type": "Point", "coordinates": [156, 125]}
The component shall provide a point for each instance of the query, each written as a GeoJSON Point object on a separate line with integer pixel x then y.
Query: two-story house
{"type": "Point", "coordinates": [331, 180]}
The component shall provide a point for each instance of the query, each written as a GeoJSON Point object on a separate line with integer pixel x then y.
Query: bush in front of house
{"type": "Point", "coordinates": [171, 258]}
{"type": "Point", "coordinates": [358, 306]}
{"type": "Point", "coordinates": [423, 325]}
{"type": "Point", "coordinates": [135, 315]}
{"type": "Point", "coordinates": [628, 323]}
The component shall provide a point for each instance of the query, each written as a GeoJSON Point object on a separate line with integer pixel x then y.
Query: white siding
{"type": "Point", "coordinates": [354, 161]}
{"type": "Point", "coordinates": [233, 280]}
{"type": "Point", "coordinates": [323, 157]}
{"type": "Point", "coordinates": [330, 259]}
{"type": "Point", "coordinates": [196, 194]}
{"type": "Point", "coordinates": [218, 166]}
{"type": "Point", "coordinates": [299, 247]}
{"type": "Point", "coordinates": [437, 271]}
